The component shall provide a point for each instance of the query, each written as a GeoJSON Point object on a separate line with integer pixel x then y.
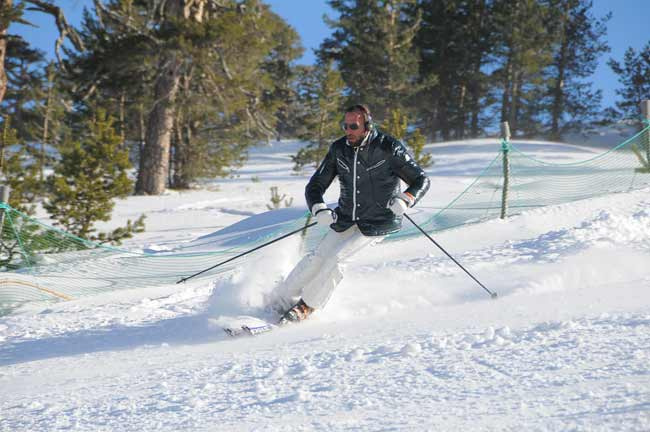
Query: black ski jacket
{"type": "Point", "coordinates": [369, 176]}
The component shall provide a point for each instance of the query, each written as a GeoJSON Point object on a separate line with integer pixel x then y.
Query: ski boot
{"type": "Point", "coordinates": [297, 313]}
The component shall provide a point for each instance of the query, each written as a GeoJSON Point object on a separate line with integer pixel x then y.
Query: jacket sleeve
{"type": "Point", "coordinates": [321, 179]}
{"type": "Point", "coordinates": [408, 170]}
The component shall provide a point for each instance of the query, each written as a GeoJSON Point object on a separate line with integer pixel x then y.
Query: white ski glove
{"type": "Point", "coordinates": [324, 216]}
{"type": "Point", "coordinates": [400, 203]}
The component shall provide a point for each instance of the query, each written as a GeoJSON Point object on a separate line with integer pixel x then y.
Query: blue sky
{"type": "Point", "coordinates": [628, 27]}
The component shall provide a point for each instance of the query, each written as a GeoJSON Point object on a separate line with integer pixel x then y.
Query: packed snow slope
{"type": "Point", "coordinates": [407, 342]}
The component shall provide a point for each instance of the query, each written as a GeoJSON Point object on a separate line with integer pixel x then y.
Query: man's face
{"type": "Point", "coordinates": [354, 136]}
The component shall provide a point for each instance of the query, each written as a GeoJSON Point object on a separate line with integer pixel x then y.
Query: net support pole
{"type": "Point", "coordinates": [505, 140]}
{"type": "Point", "coordinates": [645, 110]}
{"type": "Point", "coordinates": [4, 197]}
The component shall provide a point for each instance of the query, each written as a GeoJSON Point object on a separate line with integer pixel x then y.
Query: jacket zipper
{"type": "Point", "coordinates": [354, 185]}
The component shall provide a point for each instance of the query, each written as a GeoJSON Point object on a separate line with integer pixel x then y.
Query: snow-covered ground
{"type": "Point", "coordinates": [407, 342]}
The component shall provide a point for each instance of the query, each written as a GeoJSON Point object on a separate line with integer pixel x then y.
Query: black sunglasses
{"type": "Point", "coordinates": [352, 126]}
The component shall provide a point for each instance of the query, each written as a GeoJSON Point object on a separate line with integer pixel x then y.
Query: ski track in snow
{"type": "Point", "coordinates": [408, 341]}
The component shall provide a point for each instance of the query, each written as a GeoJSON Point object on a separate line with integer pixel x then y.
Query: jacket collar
{"type": "Point", "coordinates": [367, 140]}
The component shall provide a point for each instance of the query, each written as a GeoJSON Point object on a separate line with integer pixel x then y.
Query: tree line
{"type": "Point", "coordinates": [180, 89]}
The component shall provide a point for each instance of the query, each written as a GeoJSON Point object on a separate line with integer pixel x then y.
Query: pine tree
{"type": "Point", "coordinates": [416, 142]}
{"type": "Point", "coordinates": [25, 87]}
{"type": "Point", "coordinates": [474, 92]}
{"type": "Point", "coordinates": [372, 45]}
{"type": "Point", "coordinates": [18, 168]}
{"type": "Point", "coordinates": [210, 75]}
{"type": "Point", "coordinates": [17, 238]}
{"type": "Point", "coordinates": [235, 41]}
{"type": "Point", "coordinates": [321, 99]}
{"type": "Point", "coordinates": [91, 173]}
{"type": "Point", "coordinates": [455, 41]}
{"type": "Point", "coordinates": [524, 51]}
{"type": "Point", "coordinates": [33, 102]}
{"type": "Point", "coordinates": [221, 114]}
{"type": "Point", "coordinates": [52, 114]}
{"type": "Point", "coordinates": [8, 138]}
{"type": "Point", "coordinates": [8, 13]}
{"type": "Point", "coordinates": [13, 12]}
{"type": "Point", "coordinates": [22, 85]}
{"type": "Point", "coordinates": [634, 75]}
{"type": "Point", "coordinates": [573, 105]}
{"type": "Point", "coordinates": [398, 127]}
{"type": "Point", "coordinates": [117, 70]}
{"type": "Point", "coordinates": [283, 74]}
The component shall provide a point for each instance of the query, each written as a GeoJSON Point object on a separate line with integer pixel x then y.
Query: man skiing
{"type": "Point", "coordinates": [369, 165]}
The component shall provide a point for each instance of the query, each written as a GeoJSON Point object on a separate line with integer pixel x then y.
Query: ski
{"type": "Point", "coordinates": [244, 326]}
{"type": "Point", "coordinates": [245, 330]}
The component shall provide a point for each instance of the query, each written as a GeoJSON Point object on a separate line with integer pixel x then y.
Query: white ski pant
{"type": "Point", "coordinates": [318, 273]}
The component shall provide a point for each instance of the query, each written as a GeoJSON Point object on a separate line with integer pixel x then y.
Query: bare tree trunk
{"type": "Point", "coordinates": [142, 131]}
{"type": "Point", "coordinates": [480, 18]}
{"type": "Point", "coordinates": [390, 30]}
{"type": "Point", "coordinates": [443, 110]}
{"type": "Point", "coordinates": [152, 178]}
{"type": "Point", "coordinates": [322, 123]}
{"type": "Point", "coordinates": [475, 99]}
{"type": "Point", "coordinates": [187, 159]}
{"type": "Point", "coordinates": [183, 160]}
{"type": "Point", "coordinates": [123, 118]}
{"type": "Point", "coordinates": [173, 148]}
{"type": "Point", "coordinates": [181, 157]}
{"type": "Point", "coordinates": [558, 104]}
{"type": "Point", "coordinates": [507, 89]}
{"type": "Point", "coordinates": [514, 102]}
{"type": "Point", "coordinates": [46, 123]}
{"type": "Point", "coordinates": [510, 70]}
{"type": "Point", "coordinates": [475, 93]}
{"type": "Point", "coordinates": [460, 123]}
{"type": "Point", "coordinates": [558, 89]}
{"type": "Point", "coordinates": [5, 5]}
{"type": "Point", "coordinates": [154, 173]}
{"type": "Point", "coordinates": [176, 162]}
{"type": "Point", "coordinates": [3, 140]}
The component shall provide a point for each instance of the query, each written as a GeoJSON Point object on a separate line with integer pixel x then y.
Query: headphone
{"type": "Point", "coordinates": [367, 117]}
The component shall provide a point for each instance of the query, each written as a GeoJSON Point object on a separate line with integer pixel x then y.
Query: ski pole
{"type": "Point", "coordinates": [247, 252]}
{"type": "Point", "coordinates": [492, 294]}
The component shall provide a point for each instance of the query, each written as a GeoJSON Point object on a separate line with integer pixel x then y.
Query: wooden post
{"type": "Point", "coordinates": [505, 131]}
{"type": "Point", "coordinates": [645, 110]}
{"type": "Point", "coordinates": [505, 140]}
{"type": "Point", "coordinates": [4, 198]}
{"type": "Point", "coordinates": [4, 193]}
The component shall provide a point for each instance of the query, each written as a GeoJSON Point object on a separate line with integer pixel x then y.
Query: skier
{"type": "Point", "coordinates": [369, 165]}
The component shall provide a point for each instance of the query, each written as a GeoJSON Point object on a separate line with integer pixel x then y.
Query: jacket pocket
{"type": "Point", "coordinates": [342, 164]}
{"type": "Point", "coordinates": [377, 165]}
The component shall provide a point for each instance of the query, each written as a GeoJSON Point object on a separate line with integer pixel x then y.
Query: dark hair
{"type": "Point", "coordinates": [362, 109]}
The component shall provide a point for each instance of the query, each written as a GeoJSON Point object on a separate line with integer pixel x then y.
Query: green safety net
{"type": "Point", "coordinates": [514, 182]}
{"type": "Point", "coordinates": [42, 263]}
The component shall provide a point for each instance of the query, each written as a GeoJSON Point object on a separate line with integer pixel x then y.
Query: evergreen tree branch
{"type": "Point", "coordinates": [65, 30]}
{"type": "Point", "coordinates": [125, 21]}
